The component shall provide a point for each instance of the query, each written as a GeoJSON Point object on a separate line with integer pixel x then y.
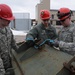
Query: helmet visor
{"type": "Point", "coordinates": [61, 15]}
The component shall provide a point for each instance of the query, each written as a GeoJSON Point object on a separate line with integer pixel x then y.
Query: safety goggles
{"type": "Point", "coordinates": [64, 19]}
{"type": "Point", "coordinates": [60, 15]}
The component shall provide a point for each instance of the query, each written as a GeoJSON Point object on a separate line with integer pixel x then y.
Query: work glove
{"type": "Point", "coordinates": [30, 41]}
{"type": "Point", "coordinates": [50, 42]}
{"type": "Point", "coordinates": [53, 43]}
{"type": "Point", "coordinates": [56, 43]}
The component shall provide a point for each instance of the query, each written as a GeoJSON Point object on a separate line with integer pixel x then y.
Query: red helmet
{"type": "Point", "coordinates": [64, 13]}
{"type": "Point", "coordinates": [6, 12]}
{"type": "Point", "coordinates": [44, 14]}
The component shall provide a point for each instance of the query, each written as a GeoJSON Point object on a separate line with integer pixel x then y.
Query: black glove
{"type": "Point", "coordinates": [10, 71]}
{"type": "Point", "coordinates": [30, 42]}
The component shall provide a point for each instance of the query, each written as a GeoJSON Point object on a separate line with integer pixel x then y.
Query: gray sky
{"type": "Point", "coordinates": [28, 6]}
{"type": "Point", "coordinates": [56, 4]}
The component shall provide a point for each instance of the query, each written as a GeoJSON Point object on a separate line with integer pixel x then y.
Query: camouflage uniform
{"type": "Point", "coordinates": [2, 70]}
{"type": "Point", "coordinates": [40, 32]}
{"type": "Point", "coordinates": [67, 39]}
{"type": "Point", "coordinates": [6, 43]}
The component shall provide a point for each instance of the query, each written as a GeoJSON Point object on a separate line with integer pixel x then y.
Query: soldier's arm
{"type": "Point", "coordinates": [2, 70]}
{"type": "Point", "coordinates": [68, 46]}
{"type": "Point", "coordinates": [33, 33]}
{"type": "Point", "coordinates": [13, 42]}
{"type": "Point", "coordinates": [55, 33]}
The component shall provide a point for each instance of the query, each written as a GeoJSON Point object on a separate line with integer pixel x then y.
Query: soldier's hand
{"type": "Point", "coordinates": [53, 43]}
{"type": "Point", "coordinates": [30, 41]}
{"type": "Point", "coordinates": [50, 42]}
{"type": "Point", "coordinates": [10, 71]}
{"type": "Point", "coordinates": [56, 43]}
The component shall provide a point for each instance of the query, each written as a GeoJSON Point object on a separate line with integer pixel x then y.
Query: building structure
{"type": "Point", "coordinates": [45, 4]}
{"type": "Point", "coordinates": [22, 22]}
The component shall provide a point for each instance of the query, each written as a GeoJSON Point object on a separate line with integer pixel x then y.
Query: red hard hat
{"type": "Point", "coordinates": [44, 14]}
{"type": "Point", "coordinates": [6, 12]}
{"type": "Point", "coordinates": [64, 13]}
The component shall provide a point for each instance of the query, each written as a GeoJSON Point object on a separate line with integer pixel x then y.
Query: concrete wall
{"type": "Point", "coordinates": [22, 22]}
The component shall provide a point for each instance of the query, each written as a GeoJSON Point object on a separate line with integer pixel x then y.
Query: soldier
{"type": "Point", "coordinates": [66, 36]}
{"type": "Point", "coordinates": [44, 30]}
{"type": "Point", "coordinates": [6, 38]}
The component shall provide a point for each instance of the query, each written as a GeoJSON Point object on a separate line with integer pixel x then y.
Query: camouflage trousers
{"type": "Point", "coordinates": [2, 70]}
{"type": "Point", "coordinates": [7, 62]}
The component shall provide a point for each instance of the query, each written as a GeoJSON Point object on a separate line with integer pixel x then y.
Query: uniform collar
{"type": "Point", "coordinates": [67, 28]}
{"type": "Point", "coordinates": [45, 27]}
